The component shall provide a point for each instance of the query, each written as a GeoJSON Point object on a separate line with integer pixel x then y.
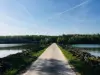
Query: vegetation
{"type": "Point", "coordinates": [28, 39]}
{"type": "Point", "coordinates": [13, 64]}
{"type": "Point", "coordinates": [83, 62]}
{"type": "Point", "coordinates": [63, 39]}
{"type": "Point", "coordinates": [79, 39]}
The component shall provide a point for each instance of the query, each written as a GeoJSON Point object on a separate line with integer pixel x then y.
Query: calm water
{"type": "Point", "coordinates": [95, 53]}
{"type": "Point", "coordinates": [4, 53]}
{"type": "Point", "coordinates": [87, 45]}
{"type": "Point", "coordinates": [9, 45]}
{"type": "Point", "coordinates": [8, 49]}
{"type": "Point", "coordinates": [93, 49]}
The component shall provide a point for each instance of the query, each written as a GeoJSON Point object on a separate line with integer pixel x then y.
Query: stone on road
{"type": "Point", "coordinates": [51, 62]}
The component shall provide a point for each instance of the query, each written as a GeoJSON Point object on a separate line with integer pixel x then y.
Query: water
{"type": "Point", "coordinates": [8, 49]}
{"type": "Point", "coordinates": [4, 53]}
{"type": "Point", "coordinates": [93, 49]}
{"type": "Point", "coordinates": [87, 45]}
{"type": "Point", "coordinates": [9, 45]}
{"type": "Point", "coordinates": [95, 53]}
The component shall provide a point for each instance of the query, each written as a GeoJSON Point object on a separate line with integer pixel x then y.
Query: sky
{"type": "Point", "coordinates": [49, 17]}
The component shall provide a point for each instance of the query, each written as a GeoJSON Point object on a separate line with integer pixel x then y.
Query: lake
{"type": "Point", "coordinates": [9, 45]}
{"type": "Point", "coordinates": [4, 53]}
{"type": "Point", "coordinates": [93, 49]}
{"type": "Point", "coordinates": [8, 49]}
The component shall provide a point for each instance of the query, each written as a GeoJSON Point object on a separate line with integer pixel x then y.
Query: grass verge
{"type": "Point", "coordinates": [81, 68]}
{"type": "Point", "coordinates": [19, 63]}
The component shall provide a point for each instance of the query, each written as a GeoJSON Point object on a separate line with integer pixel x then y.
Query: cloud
{"type": "Point", "coordinates": [72, 8]}
{"type": "Point", "coordinates": [24, 8]}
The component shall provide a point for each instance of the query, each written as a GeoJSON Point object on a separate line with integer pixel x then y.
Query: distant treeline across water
{"type": "Point", "coordinates": [62, 39]}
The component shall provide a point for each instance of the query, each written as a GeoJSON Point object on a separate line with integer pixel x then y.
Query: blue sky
{"type": "Point", "coordinates": [49, 17]}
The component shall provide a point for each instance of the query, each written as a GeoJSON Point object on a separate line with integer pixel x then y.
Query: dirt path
{"type": "Point", "coordinates": [51, 62]}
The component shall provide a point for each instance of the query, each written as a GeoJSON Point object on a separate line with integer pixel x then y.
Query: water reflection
{"type": "Point", "coordinates": [87, 45]}
{"type": "Point", "coordinates": [4, 53]}
{"type": "Point", "coordinates": [93, 49]}
{"type": "Point", "coordinates": [95, 53]}
{"type": "Point", "coordinates": [9, 45]}
{"type": "Point", "coordinates": [8, 49]}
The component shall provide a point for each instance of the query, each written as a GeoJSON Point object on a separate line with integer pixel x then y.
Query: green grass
{"type": "Point", "coordinates": [21, 62]}
{"type": "Point", "coordinates": [11, 72]}
{"type": "Point", "coordinates": [39, 53]}
{"type": "Point", "coordinates": [80, 67]}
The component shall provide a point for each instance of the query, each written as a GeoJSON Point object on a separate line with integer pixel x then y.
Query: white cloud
{"type": "Point", "coordinates": [72, 8]}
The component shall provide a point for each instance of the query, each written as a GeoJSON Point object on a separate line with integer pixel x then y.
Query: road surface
{"type": "Point", "coordinates": [51, 62]}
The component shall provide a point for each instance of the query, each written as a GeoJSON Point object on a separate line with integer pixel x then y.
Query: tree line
{"type": "Point", "coordinates": [27, 39]}
{"type": "Point", "coordinates": [62, 39]}
{"type": "Point", "coordinates": [79, 39]}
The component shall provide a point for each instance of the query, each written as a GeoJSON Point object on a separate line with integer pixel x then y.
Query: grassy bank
{"type": "Point", "coordinates": [14, 64]}
{"type": "Point", "coordinates": [80, 67]}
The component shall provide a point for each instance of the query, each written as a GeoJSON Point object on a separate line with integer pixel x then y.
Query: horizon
{"type": "Point", "coordinates": [50, 35]}
{"type": "Point", "coordinates": [49, 17]}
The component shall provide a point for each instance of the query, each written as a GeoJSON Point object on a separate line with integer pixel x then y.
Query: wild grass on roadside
{"type": "Point", "coordinates": [21, 62]}
{"type": "Point", "coordinates": [80, 67]}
